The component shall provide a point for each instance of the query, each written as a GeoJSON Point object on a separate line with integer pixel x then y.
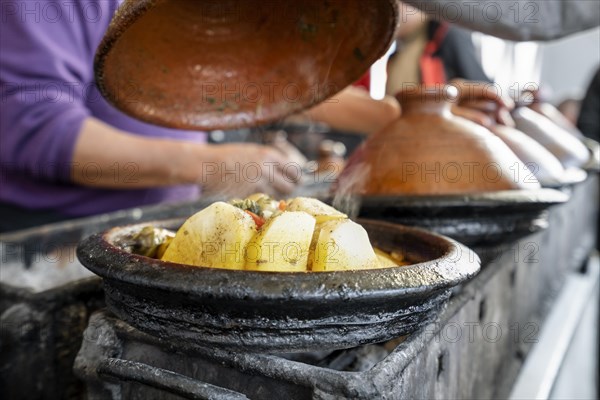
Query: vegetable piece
{"type": "Point", "coordinates": [343, 245]}
{"type": "Point", "coordinates": [258, 203]}
{"type": "Point", "coordinates": [321, 211]}
{"type": "Point", "coordinates": [267, 206]}
{"type": "Point", "coordinates": [214, 237]}
{"type": "Point", "coordinates": [259, 221]}
{"type": "Point", "coordinates": [282, 244]}
{"type": "Point", "coordinates": [246, 204]}
{"type": "Point", "coordinates": [146, 242]}
{"type": "Point", "coordinates": [282, 205]}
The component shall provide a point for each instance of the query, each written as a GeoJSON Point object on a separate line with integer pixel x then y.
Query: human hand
{"type": "Point", "coordinates": [240, 169]}
{"type": "Point", "coordinates": [280, 142]}
{"type": "Point", "coordinates": [482, 103]}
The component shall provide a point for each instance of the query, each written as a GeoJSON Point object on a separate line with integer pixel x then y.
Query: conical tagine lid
{"type": "Point", "coordinates": [429, 151]}
{"type": "Point", "coordinates": [208, 64]}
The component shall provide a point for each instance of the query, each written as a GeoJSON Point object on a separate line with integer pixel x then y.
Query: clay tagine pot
{"type": "Point", "coordinates": [539, 160]}
{"type": "Point", "coordinates": [429, 151]}
{"type": "Point", "coordinates": [220, 64]}
{"type": "Point", "coordinates": [569, 150]}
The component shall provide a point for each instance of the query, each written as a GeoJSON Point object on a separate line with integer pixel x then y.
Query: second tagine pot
{"type": "Point", "coordinates": [430, 151]}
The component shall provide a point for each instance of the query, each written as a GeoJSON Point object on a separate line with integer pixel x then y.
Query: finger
{"type": "Point", "coordinates": [277, 173]}
{"type": "Point", "coordinates": [474, 90]}
{"type": "Point", "coordinates": [488, 92]}
{"type": "Point", "coordinates": [290, 152]}
{"type": "Point", "coordinates": [473, 115]}
{"type": "Point", "coordinates": [484, 106]}
{"type": "Point", "coordinates": [491, 93]}
{"type": "Point", "coordinates": [507, 102]}
{"type": "Point", "coordinates": [292, 171]}
{"type": "Point", "coordinates": [505, 118]}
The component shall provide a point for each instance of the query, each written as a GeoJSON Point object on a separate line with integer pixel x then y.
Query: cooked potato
{"type": "Point", "coordinates": [321, 211]}
{"type": "Point", "coordinates": [282, 243]}
{"type": "Point", "coordinates": [343, 245]}
{"type": "Point", "coordinates": [214, 237]}
{"type": "Point", "coordinates": [386, 262]}
{"type": "Point", "coordinates": [261, 234]}
{"type": "Point", "coordinates": [385, 259]}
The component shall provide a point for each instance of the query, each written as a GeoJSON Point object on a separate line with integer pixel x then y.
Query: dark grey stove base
{"type": "Point", "coordinates": [473, 349]}
{"type": "Point", "coordinates": [39, 337]}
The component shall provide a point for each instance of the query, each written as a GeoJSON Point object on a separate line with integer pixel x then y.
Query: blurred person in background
{"type": "Point", "coordinates": [431, 52]}
{"type": "Point", "coordinates": [589, 115]}
{"type": "Point", "coordinates": [589, 124]}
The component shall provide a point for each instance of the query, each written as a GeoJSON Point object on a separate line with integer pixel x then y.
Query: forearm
{"type": "Point", "coordinates": [110, 158]}
{"type": "Point", "coordinates": [353, 110]}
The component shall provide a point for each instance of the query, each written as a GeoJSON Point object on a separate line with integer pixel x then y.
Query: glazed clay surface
{"type": "Point", "coordinates": [428, 150]}
{"type": "Point", "coordinates": [206, 64]}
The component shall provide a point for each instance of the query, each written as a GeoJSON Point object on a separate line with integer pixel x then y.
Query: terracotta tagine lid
{"type": "Point", "coordinates": [429, 151]}
{"type": "Point", "coordinates": [208, 64]}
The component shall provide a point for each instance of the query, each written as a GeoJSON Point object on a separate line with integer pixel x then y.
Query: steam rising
{"type": "Point", "coordinates": [346, 196]}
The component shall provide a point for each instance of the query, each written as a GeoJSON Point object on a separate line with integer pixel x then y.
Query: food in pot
{"type": "Point", "coordinates": [261, 234]}
{"type": "Point", "coordinates": [149, 241]}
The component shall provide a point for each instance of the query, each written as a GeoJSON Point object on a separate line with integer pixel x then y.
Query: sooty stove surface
{"type": "Point", "coordinates": [119, 362]}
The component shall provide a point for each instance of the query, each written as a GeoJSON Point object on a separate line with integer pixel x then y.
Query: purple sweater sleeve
{"type": "Point", "coordinates": [45, 75]}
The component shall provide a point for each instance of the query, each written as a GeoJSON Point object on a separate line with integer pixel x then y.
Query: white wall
{"type": "Point", "coordinates": [567, 65]}
{"type": "Point", "coordinates": [561, 68]}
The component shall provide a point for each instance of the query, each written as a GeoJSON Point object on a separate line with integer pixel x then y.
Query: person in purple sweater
{"type": "Point", "coordinates": [65, 152]}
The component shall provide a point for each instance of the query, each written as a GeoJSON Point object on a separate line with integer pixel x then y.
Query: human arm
{"type": "Point", "coordinates": [110, 158]}
{"type": "Point", "coordinates": [353, 110]}
{"type": "Point", "coordinates": [48, 132]}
